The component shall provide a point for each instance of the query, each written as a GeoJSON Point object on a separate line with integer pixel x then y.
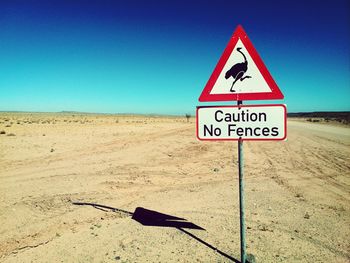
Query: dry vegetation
{"type": "Point", "coordinates": [335, 118]}
{"type": "Point", "coordinates": [297, 191]}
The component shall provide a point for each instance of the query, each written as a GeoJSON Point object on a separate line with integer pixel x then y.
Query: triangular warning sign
{"type": "Point", "coordinates": [240, 74]}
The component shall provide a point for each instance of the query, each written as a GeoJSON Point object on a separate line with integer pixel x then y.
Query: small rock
{"type": "Point", "coordinates": [262, 228]}
{"type": "Point", "coordinates": [52, 150]}
{"type": "Point", "coordinates": [251, 258]}
{"type": "Point", "coordinates": [2, 132]}
{"type": "Point", "coordinates": [307, 216]}
{"type": "Point", "coordinates": [216, 170]}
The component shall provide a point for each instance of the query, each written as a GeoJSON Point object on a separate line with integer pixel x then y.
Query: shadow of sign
{"type": "Point", "coordinates": [152, 218]}
{"type": "Point", "coordinates": [148, 217]}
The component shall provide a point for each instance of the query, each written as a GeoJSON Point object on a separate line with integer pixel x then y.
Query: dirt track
{"type": "Point", "coordinates": [297, 191]}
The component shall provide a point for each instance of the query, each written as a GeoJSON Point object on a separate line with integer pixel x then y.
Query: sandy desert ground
{"type": "Point", "coordinates": [297, 192]}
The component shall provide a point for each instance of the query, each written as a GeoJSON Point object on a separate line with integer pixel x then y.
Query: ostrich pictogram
{"type": "Point", "coordinates": [237, 71]}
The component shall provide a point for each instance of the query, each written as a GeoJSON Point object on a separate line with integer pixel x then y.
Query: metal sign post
{"type": "Point", "coordinates": [241, 197]}
{"type": "Point", "coordinates": [241, 122]}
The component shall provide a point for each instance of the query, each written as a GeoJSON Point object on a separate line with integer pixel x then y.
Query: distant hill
{"type": "Point", "coordinates": [339, 116]}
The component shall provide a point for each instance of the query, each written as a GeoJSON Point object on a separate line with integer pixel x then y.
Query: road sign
{"type": "Point", "coordinates": [240, 74]}
{"type": "Point", "coordinates": [246, 122]}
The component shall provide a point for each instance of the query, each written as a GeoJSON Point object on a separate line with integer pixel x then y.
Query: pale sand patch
{"type": "Point", "coordinates": [297, 191]}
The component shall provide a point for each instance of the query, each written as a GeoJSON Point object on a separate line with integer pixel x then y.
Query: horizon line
{"type": "Point", "coordinates": [142, 114]}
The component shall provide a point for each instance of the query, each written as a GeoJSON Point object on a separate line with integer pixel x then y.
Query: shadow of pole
{"type": "Point", "coordinates": [148, 217]}
{"type": "Point", "coordinates": [103, 207]}
{"type": "Point", "coordinates": [208, 245]}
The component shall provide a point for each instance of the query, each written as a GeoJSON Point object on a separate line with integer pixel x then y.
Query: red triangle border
{"type": "Point", "coordinates": [275, 91]}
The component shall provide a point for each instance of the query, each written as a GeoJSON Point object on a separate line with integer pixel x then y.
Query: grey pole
{"type": "Point", "coordinates": [241, 197]}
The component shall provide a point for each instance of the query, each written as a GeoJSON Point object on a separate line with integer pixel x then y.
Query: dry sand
{"type": "Point", "coordinates": [297, 191]}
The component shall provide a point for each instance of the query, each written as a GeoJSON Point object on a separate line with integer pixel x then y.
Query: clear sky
{"type": "Point", "coordinates": [156, 56]}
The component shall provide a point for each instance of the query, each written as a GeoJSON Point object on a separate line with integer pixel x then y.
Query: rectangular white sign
{"type": "Point", "coordinates": [246, 122]}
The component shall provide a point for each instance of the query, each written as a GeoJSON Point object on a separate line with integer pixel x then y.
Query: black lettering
{"type": "Point", "coordinates": [240, 132]}
{"type": "Point", "coordinates": [206, 129]}
{"type": "Point", "coordinates": [211, 131]}
{"type": "Point", "coordinates": [262, 114]}
{"type": "Point", "coordinates": [274, 131]}
{"type": "Point", "coordinates": [217, 131]}
{"type": "Point", "coordinates": [243, 114]}
{"type": "Point", "coordinates": [231, 128]}
{"type": "Point", "coordinates": [266, 131]}
{"type": "Point", "coordinates": [236, 117]}
{"type": "Point", "coordinates": [216, 116]}
{"type": "Point", "coordinates": [246, 131]}
{"type": "Point", "coordinates": [253, 116]}
{"type": "Point", "coordinates": [255, 131]}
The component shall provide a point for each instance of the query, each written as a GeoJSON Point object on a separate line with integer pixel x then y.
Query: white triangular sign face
{"type": "Point", "coordinates": [240, 74]}
{"type": "Point", "coordinates": [251, 80]}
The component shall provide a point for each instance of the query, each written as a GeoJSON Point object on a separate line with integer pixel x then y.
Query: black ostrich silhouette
{"type": "Point", "coordinates": [237, 71]}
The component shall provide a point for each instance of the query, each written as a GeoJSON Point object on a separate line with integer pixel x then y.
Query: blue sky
{"type": "Point", "coordinates": [156, 56]}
